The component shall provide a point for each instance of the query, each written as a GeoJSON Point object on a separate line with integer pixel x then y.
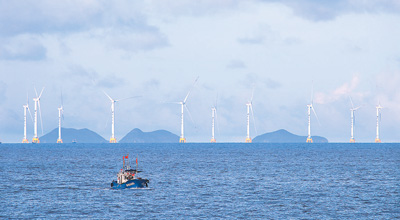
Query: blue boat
{"type": "Point", "coordinates": [127, 177]}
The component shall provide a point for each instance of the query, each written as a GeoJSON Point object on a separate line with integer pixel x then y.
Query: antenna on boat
{"type": "Point", "coordinates": [137, 163]}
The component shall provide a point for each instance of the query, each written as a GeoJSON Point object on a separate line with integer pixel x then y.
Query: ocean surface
{"type": "Point", "coordinates": [209, 181]}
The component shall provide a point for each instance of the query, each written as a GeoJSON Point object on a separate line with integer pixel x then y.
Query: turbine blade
{"type": "Point", "coordinates": [30, 113]}
{"type": "Point", "coordinates": [216, 121]}
{"type": "Point", "coordinates": [128, 98]}
{"type": "Point", "coordinates": [174, 103]}
{"type": "Point", "coordinates": [190, 115]}
{"type": "Point", "coordinates": [184, 101]}
{"type": "Point", "coordinates": [36, 92]}
{"type": "Point", "coordinates": [351, 101]}
{"type": "Point", "coordinates": [41, 93]}
{"type": "Point", "coordinates": [108, 96]}
{"type": "Point", "coordinates": [40, 114]}
{"type": "Point", "coordinates": [354, 118]}
{"type": "Point", "coordinates": [316, 116]}
{"type": "Point", "coordinates": [254, 121]}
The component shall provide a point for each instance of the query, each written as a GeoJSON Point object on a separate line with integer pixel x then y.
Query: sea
{"type": "Point", "coordinates": [202, 181]}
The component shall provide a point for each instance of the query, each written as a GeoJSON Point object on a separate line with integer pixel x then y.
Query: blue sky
{"type": "Point", "coordinates": [156, 49]}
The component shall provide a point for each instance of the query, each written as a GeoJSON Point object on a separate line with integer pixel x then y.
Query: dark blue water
{"type": "Point", "coordinates": [269, 181]}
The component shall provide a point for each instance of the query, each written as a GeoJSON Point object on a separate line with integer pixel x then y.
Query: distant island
{"type": "Point", "coordinates": [159, 136]}
{"type": "Point", "coordinates": [283, 136]}
{"type": "Point", "coordinates": [69, 135]}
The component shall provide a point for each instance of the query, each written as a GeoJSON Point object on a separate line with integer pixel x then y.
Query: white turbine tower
{"type": "Point", "coordinates": [250, 107]}
{"type": "Point", "coordinates": [309, 108]}
{"type": "Point", "coordinates": [26, 107]}
{"type": "Point", "coordinates": [37, 103]}
{"type": "Point", "coordinates": [378, 117]}
{"type": "Point", "coordinates": [214, 116]}
{"type": "Point", "coordinates": [60, 114]}
{"type": "Point", "coordinates": [182, 139]}
{"type": "Point", "coordinates": [213, 113]}
{"type": "Point", "coordinates": [352, 110]}
{"type": "Point", "coordinates": [113, 101]}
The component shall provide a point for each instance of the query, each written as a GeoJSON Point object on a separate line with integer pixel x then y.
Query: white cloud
{"type": "Point", "coordinates": [343, 91]}
{"type": "Point", "coordinates": [22, 48]}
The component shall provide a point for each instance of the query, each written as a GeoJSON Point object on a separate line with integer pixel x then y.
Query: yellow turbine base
{"type": "Point", "coordinates": [182, 140]}
{"type": "Point", "coordinates": [248, 140]}
{"type": "Point", "coordinates": [35, 140]}
{"type": "Point", "coordinates": [59, 141]}
{"type": "Point", "coordinates": [213, 140]}
{"type": "Point", "coordinates": [352, 140]}
{"type": "Point", "coordinates": [113, 140]}
{"type": "Point", "coordinates": [377, 140]}
{"type": "Point", "coordinates": [25, 140]}
{"type": "Point", "coordinates": [309, 140]}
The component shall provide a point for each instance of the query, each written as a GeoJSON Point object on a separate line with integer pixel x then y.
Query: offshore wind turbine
{"type": "Point", "coordinates": [60, 114]}
{"type": "Point", "coordinates": [182, 138]}
{"type": "Point", "coordinates": [37, 104]}
{"type": "Point", "coordinates": [113, 101]}
{"type": "Point", "coordinates": [352, 110]}
{"type": "Point", "coordinates": [309, 108]}
{"type": "Point", "coordinates": [26, 107]}
{"type": "Point", "coordinates": [378, 117]}
{"type": "Point", "coordinates": [249, 106]}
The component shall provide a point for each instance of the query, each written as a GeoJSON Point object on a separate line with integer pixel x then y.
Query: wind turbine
{"type": "Point", "coordinates": [309, 107]}
{"type": "Point", "coordinates": [182, 139]}
{"type": "Point", "coordinates": [213, 115]}
{"type": "Point", "coordinates": [37, 102]}
{"type": "Point", "coordinates": [25, 140]}
{"type": "Point", "coordinates": [250, 107]}
{"type": "Point", "coordinates": [60, 114]}
{"type": "Point", "coordinates": [113, 101]}
{"type": "Point", "coordinates": [352, 110]}
{"type": "Point", "coordinates": [378, 117]}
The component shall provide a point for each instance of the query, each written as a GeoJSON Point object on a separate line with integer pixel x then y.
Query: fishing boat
{"type": "Point", "coordinates": [127, 177]}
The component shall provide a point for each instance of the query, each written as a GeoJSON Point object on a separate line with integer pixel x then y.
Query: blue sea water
{"type": "Point", "coordinates": [210, 181]}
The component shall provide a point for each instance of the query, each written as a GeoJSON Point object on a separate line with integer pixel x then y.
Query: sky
{"type": "Point", "coordinates": [284, 50]}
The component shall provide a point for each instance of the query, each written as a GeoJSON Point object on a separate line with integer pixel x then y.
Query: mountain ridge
{"type": "Point", "coordinates": [158, 136]}
{"type": "Point", "coordinates": [69, 135]}
{"type": "Point", "coordinates": [284, 136]}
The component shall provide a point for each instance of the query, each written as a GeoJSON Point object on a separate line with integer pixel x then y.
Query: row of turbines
{"type": "Point", "coordinates": [182, 138]}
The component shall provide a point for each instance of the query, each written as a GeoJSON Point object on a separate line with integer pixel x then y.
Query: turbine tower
{"type": "Point", "coordinates": [352, 110]}
{"type": "Point", "coordinates": [26, 107]}
{"type": "Point", "coordinates": [309, 108]}
{"type": "Point", "coordinates": [182, 139]}
{"type": "Point", "coordinates": [60, 114]}
{"type": "Point", "coordinates": [213, 114]}
{"type": "Point", "coordinates": [250, 107]}
{"type": "Point", "coordinates": [378, 116]}
{"type": "Point", "coordinates": [113, 101]}
{"type": "Point", "coordinates": [37, 103]}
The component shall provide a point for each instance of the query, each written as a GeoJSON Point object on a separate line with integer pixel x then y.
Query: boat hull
{"type": "Point", "coordinates": [135, 183]}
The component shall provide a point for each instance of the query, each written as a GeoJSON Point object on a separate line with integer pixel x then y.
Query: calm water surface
{"type": "Point", "coordinates": [268, 181]}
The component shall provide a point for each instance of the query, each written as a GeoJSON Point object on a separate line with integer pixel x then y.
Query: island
{"type": "Point", "coordinates": [283, 136]}
{"type": "Point", "coordinates": [158, 136]}
{"type": "Point", "coordinates": [72, 135]}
